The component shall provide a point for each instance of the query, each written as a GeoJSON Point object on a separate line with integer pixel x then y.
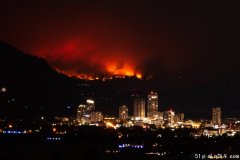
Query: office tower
{"type": "Point", "coordinates": [84, 112]}
{"type": "Point", "coordinates": [139, 109]}
{"type": "Point", "coordinates": [179, 117]}
{"type": "Point", "coordinates": [216, 115]}
{"type": "Point", "coordinates": [168, 117]}
{"type": "Point", "coordinates": [152, 111]}
{"type": "Point", "coordinates": [90, 104]}
{"type": "Point", "coordinates": [96, 117]}
{"type": "Point", "coordinates": [123, 113]}
{"type": "Point", "coordinates": [160, 116]}
{"type": "Point", "coordinates": [81, 112]}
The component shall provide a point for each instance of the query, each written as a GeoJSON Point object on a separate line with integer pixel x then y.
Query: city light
{"type": "Point", "coordinates": [110, 125]}
{"type": "Point", "coordinates": [13, 132]}
{"type": "Point", "coordinates": [90, 101]}
{"type": "Point", "coordinates": [53, 138]}
{"type": "Point", "coordinates": [3, 89]}
{"type": "Point", "coordinates": [130, 146]}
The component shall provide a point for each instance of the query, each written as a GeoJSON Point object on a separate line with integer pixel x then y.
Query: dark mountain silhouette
{"type": "Point", "coordinates": [33, 87]}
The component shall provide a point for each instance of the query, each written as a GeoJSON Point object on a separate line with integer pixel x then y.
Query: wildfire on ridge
{"type": "Point", "coordinates": [85, 59]}
{"type": "Point", "coordinates": [111, 72]}
{"type": "Point", "coordinates": [123, 71]}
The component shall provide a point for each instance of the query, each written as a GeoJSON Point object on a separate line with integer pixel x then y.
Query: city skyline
{"type": "Point", "coordinates": [143, 108]}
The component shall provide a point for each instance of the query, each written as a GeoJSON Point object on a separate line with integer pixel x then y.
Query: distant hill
{"type": "Point", "coordinates": [35, 87]}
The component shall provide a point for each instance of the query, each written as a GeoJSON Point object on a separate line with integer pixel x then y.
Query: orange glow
{"type": "Point", "coordinates": [111, 70]}
{"type": "Point", "coordinates": [84, 59]}
{"type": "Point", "coordinates": [54, 129]}
{"type": "Point", "coordinates": [123, 70]}
{"type": "Point", "coordinates": [110, 125]}
{"type": "Point", "coordinates": [139, 76]}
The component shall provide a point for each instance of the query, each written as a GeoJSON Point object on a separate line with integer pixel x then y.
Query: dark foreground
{"type": "Point", "coordinates": [108, 144]}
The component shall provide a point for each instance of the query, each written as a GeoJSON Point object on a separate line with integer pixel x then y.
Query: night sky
{"type": "Point", "coordinates": [184, 45]}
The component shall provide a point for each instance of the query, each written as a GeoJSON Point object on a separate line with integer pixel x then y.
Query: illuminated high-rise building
{"type": "Point", "coordinates": [139, 109]}
{"type": "Point", "coordinates": [179, 117]}
{"type": "Point", "coordinates": [216, 116]}
{"type": "Point", "coordinates": [169, 117]}
{"type": "Point", "coordinates": [96, 117]}
{"type": "Point", "coordinates": [152, 111]}
{"type": "Point", "coordinates": [81, 112]}
{"type": "Point", "coordinates": [123, 113]}
{"type": "Point", "coordinates": [84, 112]}
{"type": "Point", "coordinates": [160, 116]}
{"type": "Point", "coordinates": [90, 104]}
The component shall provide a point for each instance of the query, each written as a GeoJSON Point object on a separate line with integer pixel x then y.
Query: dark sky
{"type": "Point", "coordinates": [179, 44]}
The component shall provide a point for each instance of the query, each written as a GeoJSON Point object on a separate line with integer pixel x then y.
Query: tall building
{"type": "Point", "coordinates": [123, 113]}
{"type": "Point", "coordinates": [152, 111]}
{"type": "Point", "coordinates": [81, 112]}
{"type": "Point", "coordinates": [84, 112]}
{"type": "Point", "coordinates": [179, 117]}
{"type": "Point", "coordinates": [139, 109]}
{"type": "Point", "coordinates": [216, 116]}
{"type": "Point", "coordinates": [90, 104]}
{"type": "Point", "coordinates": [169, 117]}
{"type": "Point", "coordinates": [96, 117]}
{"type": "Point", "coordinates": [160, 116]}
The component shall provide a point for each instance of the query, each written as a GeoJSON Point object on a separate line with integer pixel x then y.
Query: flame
{"type": "Point", "coordinates": [139, 75]}
{"type": "Point", "coordinates": [125, 70]}
{"type": "Point", "coordinates": [111, 71]}
{"type": "Point", "coordinates": [84, 59]}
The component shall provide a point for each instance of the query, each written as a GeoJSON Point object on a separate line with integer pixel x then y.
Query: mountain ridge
{"type": "Point", "coordinates": [31, 81]}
